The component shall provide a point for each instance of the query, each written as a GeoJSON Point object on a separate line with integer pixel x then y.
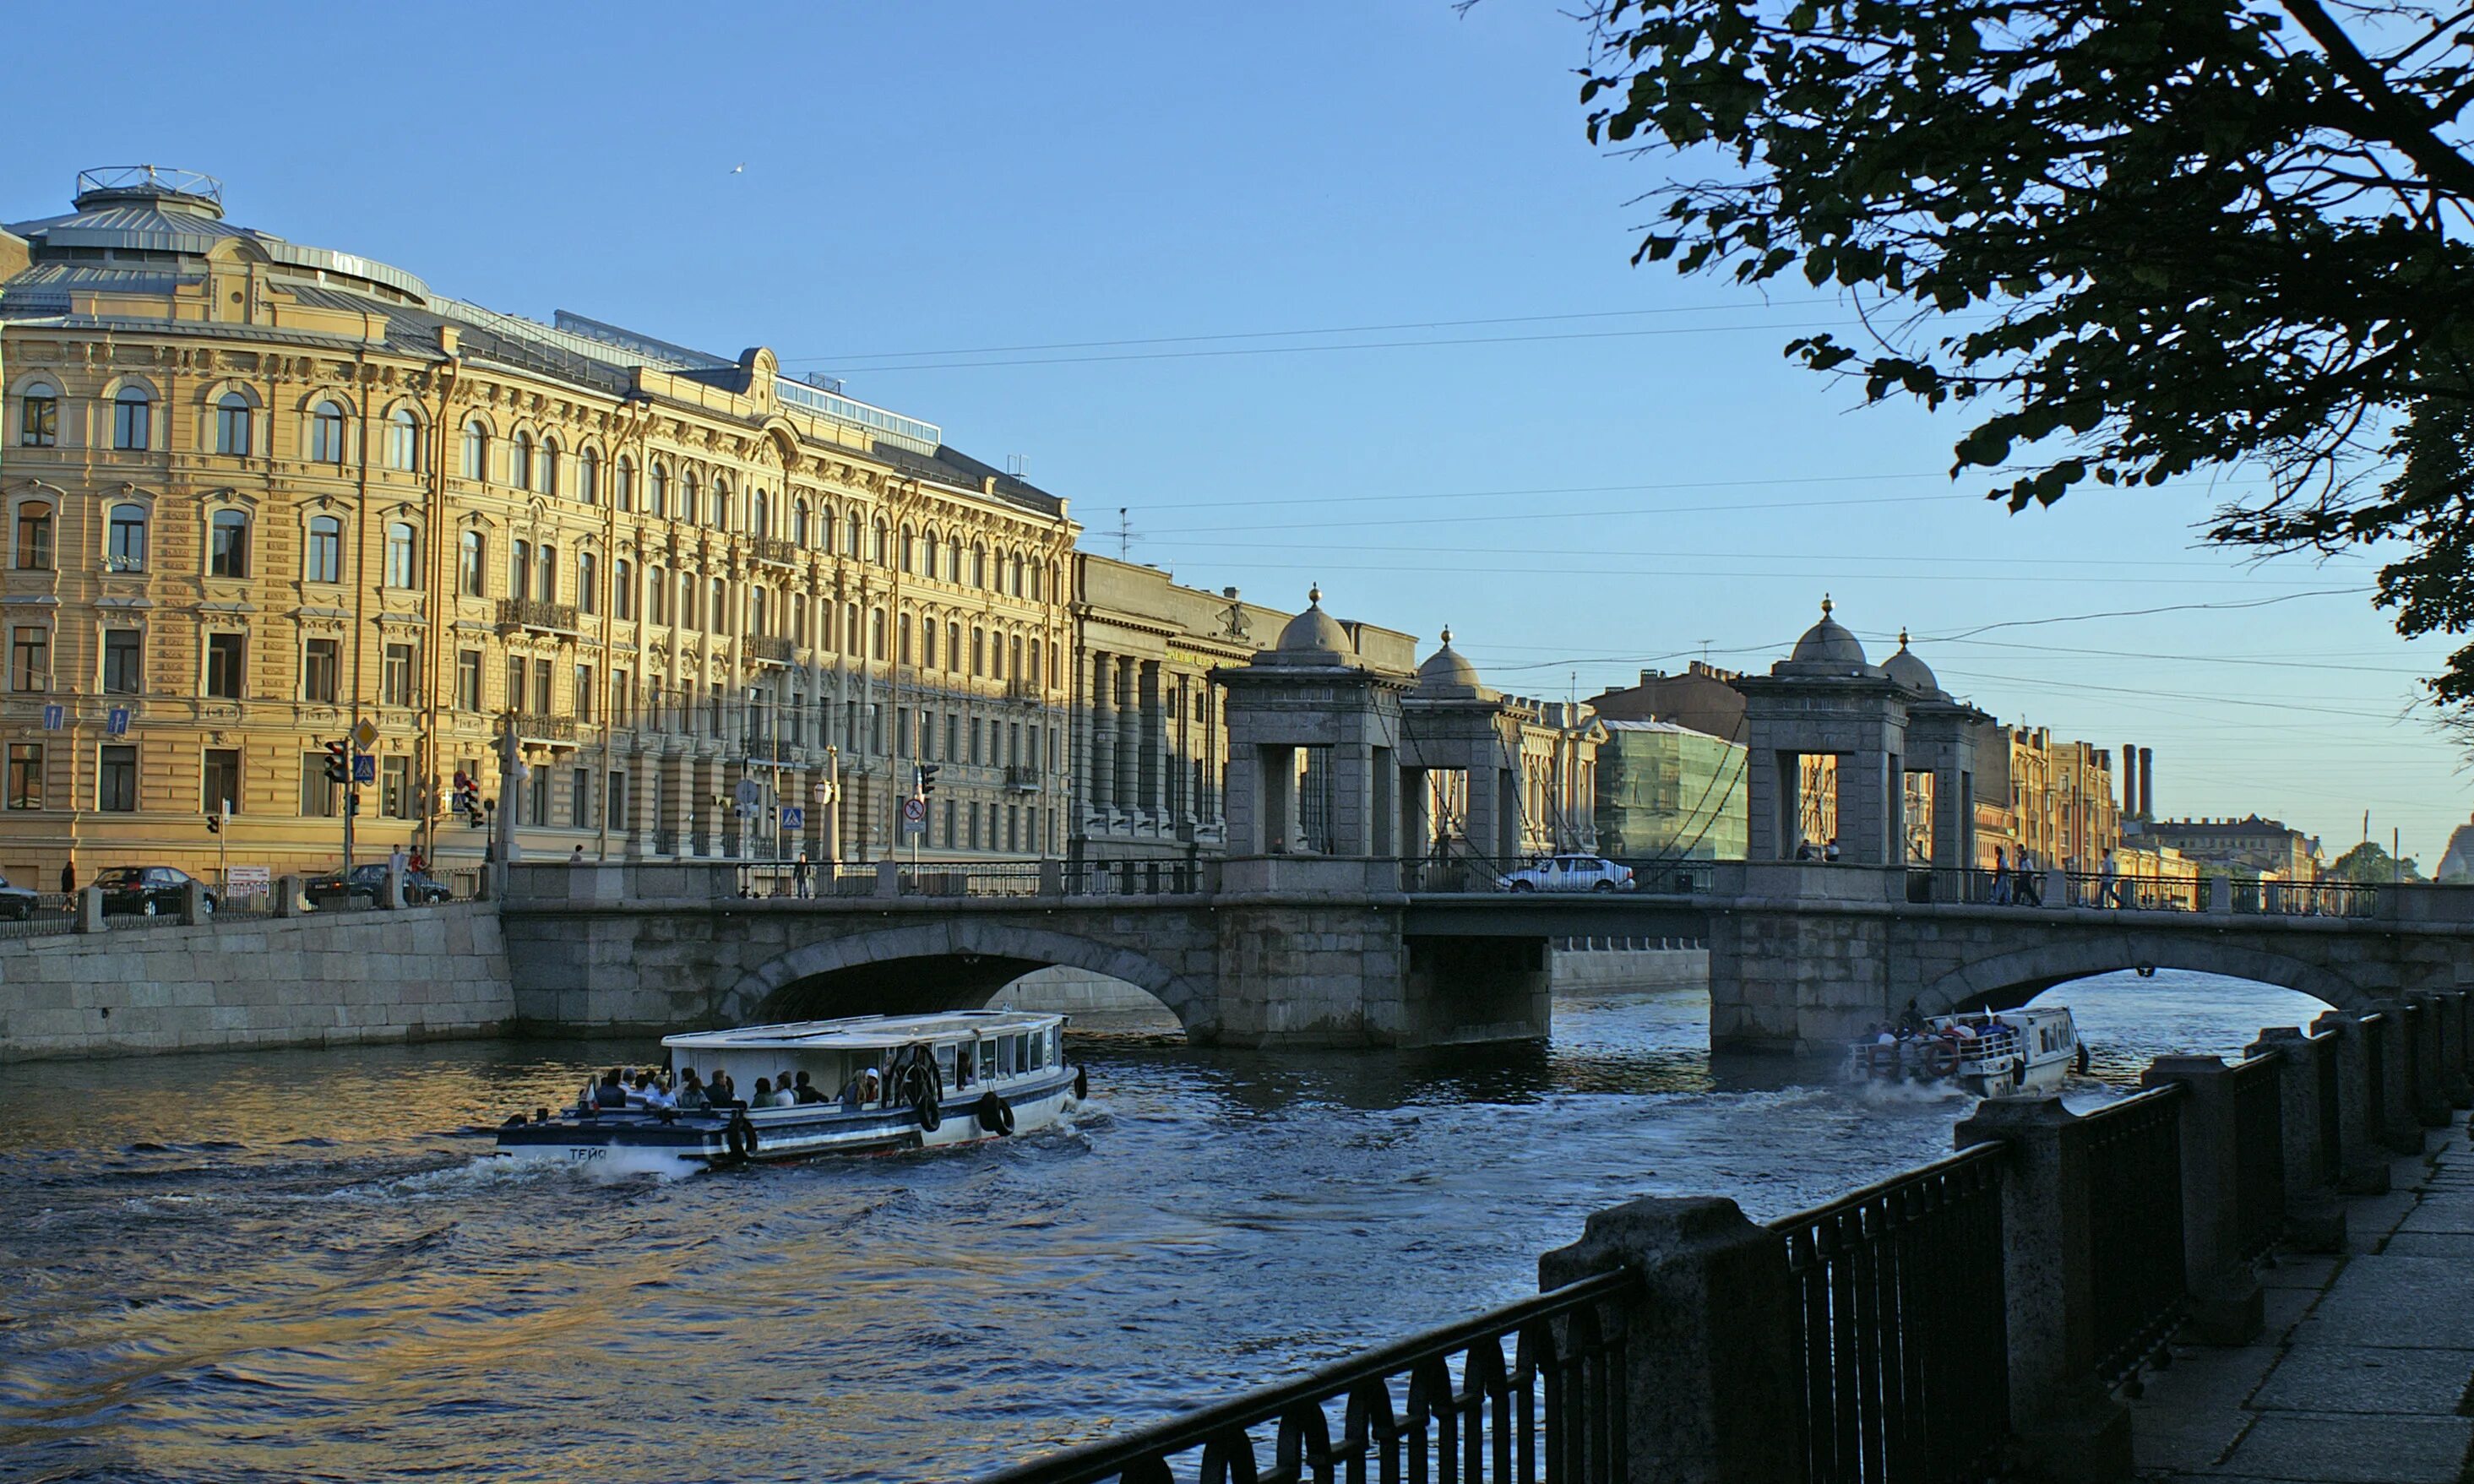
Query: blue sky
{"type": "Point", "coordinates": [1617, 470]}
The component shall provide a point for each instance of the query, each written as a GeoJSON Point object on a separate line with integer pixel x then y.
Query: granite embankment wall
{"type": "Point", "coordinates": [1604, 967]}
{"type": "Point", "coordinates": [433, 973]}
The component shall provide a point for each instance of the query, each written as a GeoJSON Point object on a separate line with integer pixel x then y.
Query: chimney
{"type": "Point", "coordinates": [2147, 783]}
{"type": "Point", "coordinates": [2130, 782]}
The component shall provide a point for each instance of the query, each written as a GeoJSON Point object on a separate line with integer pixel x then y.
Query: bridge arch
{"type": "Point", "coordinates": [967, 962]}
{"type": "Point", "coordinates": [2013, 979]}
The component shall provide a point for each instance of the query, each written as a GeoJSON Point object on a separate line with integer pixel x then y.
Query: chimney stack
{"type": "Point", "coordinates": [2129, 782]}
{"type": "Point", "coordinates": [2147, 783]}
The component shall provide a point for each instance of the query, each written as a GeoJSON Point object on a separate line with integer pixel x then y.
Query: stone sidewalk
{"type": "Point", "coordinates": [2360, 1374]}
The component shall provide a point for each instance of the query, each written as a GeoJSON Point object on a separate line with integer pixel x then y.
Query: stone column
{"type": "Point", "coordinates": [2062, 1420]}
{"type": "Point", "coordinates": [1417, 822]}
{"type": "Point", "coordinates": [2314, 1219]}
{"type": "Point", "coordinates": [671, 826]}
{"type": "Point", "coordinates": [2398, 1067]}
{"type": "Point", "coordinates": [1099, 744]}
{"type": "Point", "coordinates": [1128, 787]}
{"type": "Point", "coordinates": [2444, 1023]}
{"type": "Point", "coordinates": [737, 834]}
{"type": "Point", "coordinates": [2360, 1141]}
{"type": "Point", "coordinates": [1711, 1341]}
{"type": "Point", "coordinates": [2226, 1304]}
{"type": "Point", "coordinates": [1153, 765]}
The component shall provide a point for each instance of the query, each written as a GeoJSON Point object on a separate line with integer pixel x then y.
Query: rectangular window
{"type": "Point", "coordinates": [39, 424]}
{"type": "Point", "coordinates": [579, 800]}
{"type": "Point", "coordinates": [322, 668]}
{"type": "Point", "coordinates": [536, 796]}
{"type": "Point", "coordinates": [29, 658]}
{"type": "Point", "coordinates": [128, 539]}
{"type": "Point", "coordinates": [131, 423]}
{"type": "Point", "coordinates": [221, 793]}
{"type": "Point", "coordinates": [124, 672]}
{"type": "Point", "coordinates": [468, 680]}
{"type": "Point", "coordinates": [34, 536]}
{"type": "Point", "coordinates": [115, 780]}
{"type": "Point", "coordinates": [541, 687]}
{"type": "Point", "coordinates": [394, 787]}
{"type": "Point", "coordinates": [25, 775]}
{"type": "Point", "coordinates": [516, 682]}
{"type": "Point", "coordinates": [318, 794]}
{"type": "Point", "coordinates": [622, 697]}
{"type": "Point", "coordinates": [615, 794]}
{"type": "Point", "coordinates": [972, 814]}
{"type": "Point", "coordinates": [584, 692]}
{"type": "Point", "coordinates": [227, 658]}
{"type": "Point", "coordinates": [395, 676]}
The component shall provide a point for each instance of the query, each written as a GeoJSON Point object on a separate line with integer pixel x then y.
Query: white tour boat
{"type": "Point", "coordinates": [878, 1082]}
{"type": "Point", "coordinates": [2003, 1053]}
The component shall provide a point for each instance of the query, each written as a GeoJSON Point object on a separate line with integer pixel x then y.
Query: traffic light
{"type": "Point", "coordinates": [339, 761]}
{"type": "Point", "coordinates": [928, 778]}
{"type": "Point", "coordinates": [467, 797]}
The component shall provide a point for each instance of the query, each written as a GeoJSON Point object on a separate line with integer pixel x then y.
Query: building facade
{"type": "Point", "coordinates": [2251, 846]}
{"type": "Point", "coordinates": [2043, 800]}
{"type": "Point", "coordinates": [258, 493]}
{"type": "Point", "coordinates": [1667, 791]}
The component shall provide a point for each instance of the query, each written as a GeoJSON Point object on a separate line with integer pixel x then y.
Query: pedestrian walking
{"type": "Point", "coordinates": [799, 874]}
{"type": "Point", "coordinates": [68, 877]}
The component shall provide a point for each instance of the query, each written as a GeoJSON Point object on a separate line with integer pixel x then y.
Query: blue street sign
{"type": "Point", "coordinates": [365, 768]}
{"type": "Point", "coordinates": [116, 722]}
{"type": "Point", "coordinates": [54, 716]}
{"type": "Point", "coordinates": [794, 817]}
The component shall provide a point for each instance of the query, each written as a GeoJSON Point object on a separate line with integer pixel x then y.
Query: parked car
{"type": "Point", "coordinates": [17, 901]}
{"type": "Point", "coordinates": [1570, 873]}
{"type": "Point", "coordinates": [147, 891]}
{"type": "Point", "coordinates": [333, 888]}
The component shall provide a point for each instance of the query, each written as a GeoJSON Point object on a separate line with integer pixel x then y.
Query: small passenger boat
{"type": "Point", "coordinates": [2006, 1054]}
{"type": "Point", "coordinates": [888, 1082]}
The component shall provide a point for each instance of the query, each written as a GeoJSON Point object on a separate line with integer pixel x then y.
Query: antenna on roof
{"type": "Point", "coordinates": [1125, 534]}
{"type": "Point", "coordinates": [1017, 466]}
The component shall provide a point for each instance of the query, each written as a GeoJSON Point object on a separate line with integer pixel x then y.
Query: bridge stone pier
{"type": "Point", "coordinates": [1289, 951]}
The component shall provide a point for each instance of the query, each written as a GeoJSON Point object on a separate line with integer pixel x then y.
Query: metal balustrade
{"type": "Point", "coordinates": [2258, 1153]}
{"type": "Point", "coordinates": [1904, 1343]}
{"type": "Point", "coordinates": [2134, 1182]}
{"type": "Point", "coordinates": [1449, 1404]}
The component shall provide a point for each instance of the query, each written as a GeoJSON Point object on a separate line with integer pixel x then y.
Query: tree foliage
{"type": "Point", "coordinates": [2134, 240]}
{"type": "Point", "coordinates": [2372, 865]}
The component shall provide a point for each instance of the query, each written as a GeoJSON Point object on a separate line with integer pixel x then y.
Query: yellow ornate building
{"type": "Point", "coordinates": [258, 493]}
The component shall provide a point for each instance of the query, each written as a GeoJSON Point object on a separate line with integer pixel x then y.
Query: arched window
{"type": "Point", "coordinates": [883, 552]}
{"type": "Point", "coordinates": [927, 553]}
{"type": "Point", "coordinates": [855, 537]}
{"type": "Point", "coordinates": [825, 527]}
{"type": "Point", "coordinates": [758, 611]}
{"type": "Point", "coordinates": [549, 466]}
{"type": "Point", "coordinates": [519, 461]}
{"type": "Point", "coordinates": [657, 498]}
{"type": "Point", "coordinates": [688, 615]}
{"type": "Point", "coordinates": [624, 493]}
{"type": "Point", "coordinates": [324, 561]}
{"type": "Point", "coordinates": [228, 544]}
{"type": "Point", "coordinates": [979, 651]}
{"type": "Point", "coordinates": [403, 557]}
{"type": "Point", "coordinates": [588, 592]}
{"type": "Point", "coordinates": [760, 514]}
{"type": "Point", "coordinates": [403, 440]}
{"type": "Point", "coordinates": [910, 550]}
{"type": "Point", "coordinates": [720, 607]}
{"type": "Point", "coordinates": [232, 424]}
{"type": "Point", "coordinates": [588, 476]}
{"type": "Point", "coordinates": [472, 564]}
{"type": "Point", "coordinates": [34, 535]}
{"type": "Point", "coordinates": [1033, 672]}
{"type": "Point", "coordinates": [326, 433]}
{"type": "Point", "coordinates": [38, 416]}
{"type": "Point", "coordinates": [133, 419]}
{"type": "Point", "coordinates": [128, 551]}
{"type": "Point", "coordinates": [657, 595]}
{"type": "Point", "coordinates": [875, 633]}
{"type": "Point", "coordinates": [1014, 656]}
{"type": "Point", "coordinates": [954, 647]}
{"type": "Point", "coordinates": [623, 590]}
{"type": "Point", "coordinates": [978, 567]}
{"type": "Point", "coordinates": [997, 657]}
{"type": "Point", "coordinates": [901, 638]}
{"type": "Point", "coordinates": [477, 452]}
{"type": "Point", "coordinates": [799, 523]}
{"type": "Point", "coordinates": [953, 560]}
{"type": "Point", "coordinates": [928, 640]}
{"type": "Point", "coordinates": [547, 565]}
{"type": "Point", "coordinates": [519, 570]}
{"type": "Point", "coordinates": [689, 503]}
{"type": "Point", "coordinates": [720, 505]}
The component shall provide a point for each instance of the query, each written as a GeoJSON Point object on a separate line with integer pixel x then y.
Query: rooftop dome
{"type": "Point", "coordinates": [1315, 634]}
{"type": "Point", "coordinates": [1828, 641]}
{"type": "Point", "coordinates": [1447, 669]}
{"type": "Point", "coordinates": [1907, 670]}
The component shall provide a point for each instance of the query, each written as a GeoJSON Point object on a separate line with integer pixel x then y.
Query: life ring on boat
{"type": "Point", "coordinates": [995, 1116]}
{"type": "Point", "coordinates": [739, 1136]}
{"type": "Point", "coordinates": [1081, 1084]}
{"type": "Point", "coordinates": [1881, 1060]}
{"type": "Point", "coordinates": [2019, 1073]}
{"type": "Point", "coordinates": [922, 1100]}
{"type": "Point", "coordinates": [1941, 1059]}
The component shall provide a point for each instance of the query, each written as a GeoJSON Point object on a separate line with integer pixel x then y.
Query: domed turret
{"type": "Point", "coordinates": [1314, 636]}
{"type": "Point", "coordinates": [1449, 674]}
{"type": "Point", "coordinates": [1910, 671]}
{"type": "Point", "coordinates": [1828, 641]}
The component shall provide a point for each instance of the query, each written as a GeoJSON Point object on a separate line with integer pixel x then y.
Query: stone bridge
{"type": "Point", "coordinates": [1303, 951]}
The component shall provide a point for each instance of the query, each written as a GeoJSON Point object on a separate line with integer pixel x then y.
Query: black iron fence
{"type": "Point", "coordinates": [1449, 1404]}
{"type": "Point", "coordinates": [40, 917]}
{"type": "Point", "coordinates": [2134, 1179]}
{"type": "Point", "coordinates": [1903, 1346]}
{"type": "Point", "coordinates": [2258, 1153]}
{"type": "Point", "coordinates": [2329, 1092]}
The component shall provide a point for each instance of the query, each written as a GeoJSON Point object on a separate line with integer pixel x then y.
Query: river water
{"type": "Point", "coordinates": [301, 1265]}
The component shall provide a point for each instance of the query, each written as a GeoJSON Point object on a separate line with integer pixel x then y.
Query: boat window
{"type": "Point", "coordinates": [945, 1064]}
{"type": "Point", "coordinates": [1024, 1058]}
{"type": "Point", "coordinates": [987, 1058]}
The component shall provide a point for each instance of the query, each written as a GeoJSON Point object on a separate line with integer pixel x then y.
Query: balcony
{"type": "Point", "coordinates": [1023, 687]}
{"type": "Point", "coordinates": [775, 551]}
{"type": "Point", "coordinates": [533, 727]}
{"type": "Point", "coordinates": [1019, 779]}
{"type": "Point", "coordinates": [769, 649]}
{"type": "Point", "coordinates": [540, 617]}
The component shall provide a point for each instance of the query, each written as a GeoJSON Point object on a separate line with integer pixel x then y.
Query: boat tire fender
{"type": "Point", "coordinates": [1881, 1060]}
{"type": "Point", "coordinates": [740, 1135]}
{"type": "Point", "coordinates": [994, 1114]}
{"type": "Point", "coordinates": [2019, 1072]}
{"type": "Point", "coordinates": [2083, 1058]}
{"type": "Point", "coordinates": [923, 1098]}
{"type": "Point", "coordinates": [1081, 1084]}
{"type": "Point", "coordinates": [1941, 1059]}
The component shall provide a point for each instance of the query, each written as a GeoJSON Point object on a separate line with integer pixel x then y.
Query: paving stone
{"type": "Point", "coordinates": [2282, 1308]}
{"type": "Point", "coordinates": [2311, 1273]}
{"type": "Point", "coordinates": [2427, 1243]}
{"type": "Point", "coordinates": [2353, 1379]}
{"type": "Point", "coordinates": [2329, 1450]}
{"type": "Point", "coordinates": [2441, 1211]}
{"type": "Point", "coordinates": [2395, 1300]}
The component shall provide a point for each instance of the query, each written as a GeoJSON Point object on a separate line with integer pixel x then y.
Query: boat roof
{"type": "Point", "coordinates": [856, 1032]}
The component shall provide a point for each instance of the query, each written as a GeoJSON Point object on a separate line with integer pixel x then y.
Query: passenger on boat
{"type": "Point", "coordinates": [805, 1092]}
{"type": "Point", "coordinates": [692, 1095]}
{"type": "Point", "coordinates": [782, 1087]}
{"type": "Point", "coordinates": [611, 1093]}
{"type": "Point", "coordinates": [720, 1091]}
{"type": "Point", "coordinates": [763, 1097]}
{"type": "Point", "coordinates": [962, 1067]}
{"type": "Point", "coordinates": [860, 1090]}
{"type": "Point", "coordinates": [651, 1094]}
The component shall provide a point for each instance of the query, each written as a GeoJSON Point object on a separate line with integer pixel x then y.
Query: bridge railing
{"type": "Point", "coordinates": [1452, 1404]}
{"type": "Point", "coordinates": [1888, 1337]}
{"type": "Point", "coordinates": [2306, 899]}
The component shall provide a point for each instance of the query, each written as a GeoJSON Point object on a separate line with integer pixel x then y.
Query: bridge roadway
{"type": "Point", "coordinates": [1301, 951]}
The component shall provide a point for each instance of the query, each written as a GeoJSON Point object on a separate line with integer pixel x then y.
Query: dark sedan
{"type": "Point", "coordinates": [334, 889]}
{"type": "Point", "coordinates": [147, 891]}
{"type": "Point", "coordinates": [17, 901]}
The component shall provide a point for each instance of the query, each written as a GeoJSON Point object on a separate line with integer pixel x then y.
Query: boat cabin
{"type": "Point", "coordinates": [976, 1052]}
